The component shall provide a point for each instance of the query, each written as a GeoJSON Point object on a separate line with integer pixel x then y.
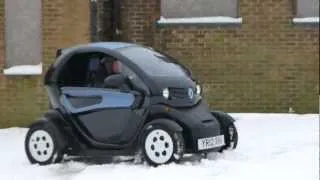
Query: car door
{"type": "Point", "coordinates": [107, 115]}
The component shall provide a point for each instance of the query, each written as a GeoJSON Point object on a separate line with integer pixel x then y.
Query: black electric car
{"type": "Point", "coordinates": [121, 99]}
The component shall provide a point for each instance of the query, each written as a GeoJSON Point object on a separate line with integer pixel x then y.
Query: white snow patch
{"type": "Point", "coordinates": [306, 20]}
{"type": "Point", "coordinates": [271, 146]}
{"type": "Point", "coordinates": [24, 70]}
{"type": "Point", "coordinates": [191, 20]}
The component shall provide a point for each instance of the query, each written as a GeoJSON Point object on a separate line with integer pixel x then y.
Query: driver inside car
{"type": "Point", "coordinates": [117, 68]}
{"type": "Point", "coordinates": [109, 67]}
{"type": "Point", "coordinates": [99, 69]}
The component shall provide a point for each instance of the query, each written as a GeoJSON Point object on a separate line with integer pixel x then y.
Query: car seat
{"type": "Point", "coordinates": [93, 66]}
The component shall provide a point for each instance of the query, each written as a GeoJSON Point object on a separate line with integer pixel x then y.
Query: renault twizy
{"type": "Point", "coordinates": [120, 99]}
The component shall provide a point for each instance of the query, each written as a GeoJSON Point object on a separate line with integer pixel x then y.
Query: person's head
{"type": "Point", "coordinates": [112, 66]}
{"type": "Point", "coordinates": [116, 67]}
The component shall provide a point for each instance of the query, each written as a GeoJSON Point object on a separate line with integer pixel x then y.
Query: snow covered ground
{"type": "Point", "coordinates": [271, 147]}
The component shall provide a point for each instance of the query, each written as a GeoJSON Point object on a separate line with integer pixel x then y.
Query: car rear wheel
{"type": "Point", "coordinates": [42, 144]}
{"type": "Point", "coordinates": [161, 145]}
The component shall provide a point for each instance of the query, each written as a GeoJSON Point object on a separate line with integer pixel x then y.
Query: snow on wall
{"type": "Point", "coordinates": [215, 19]}
{"type": "Point", "coordinates": [24, 70]}
{"type": "Point", "coordinates": [306, 20]}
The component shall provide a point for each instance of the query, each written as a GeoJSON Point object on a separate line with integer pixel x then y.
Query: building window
{"type": "Point", "coordinates": [307, 11]}
{"type": "Point", "coordinates": [23, 37]}
{"type": "Point", "coordinates": [201, 11]}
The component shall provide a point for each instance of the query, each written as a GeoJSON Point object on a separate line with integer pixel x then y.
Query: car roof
{"type": "Point", "coordinates": [110, 45]}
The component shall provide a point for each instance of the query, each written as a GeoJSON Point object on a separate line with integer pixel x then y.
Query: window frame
{"type": "Point", "coordinates": [25, 68]}
{"type": "Point", "coordinates": [208, 20]}
{"type": "Point", "coordinates": [305, 21]}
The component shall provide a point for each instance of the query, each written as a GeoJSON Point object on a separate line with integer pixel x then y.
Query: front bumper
{"type": "Point", "coordinates": [197, 123]}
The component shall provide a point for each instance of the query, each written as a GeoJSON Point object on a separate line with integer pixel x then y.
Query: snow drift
{"type": "Point", "coordinates": [271, 146]}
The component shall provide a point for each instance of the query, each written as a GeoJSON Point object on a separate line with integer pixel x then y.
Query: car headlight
{"type": "Point", "coordinates": [165, 93]}
{"type": "Point", "coordinates": [198, 89]}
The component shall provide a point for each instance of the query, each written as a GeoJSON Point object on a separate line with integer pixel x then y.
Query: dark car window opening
{"type": "Point", "coordinates": [91, 70]}
{"type": "Point", "coordinates": [152, 62]}
{"type": "Point", "coordinates": [74, 71]}
{"type": "Point", "coordinates": [84, 70]}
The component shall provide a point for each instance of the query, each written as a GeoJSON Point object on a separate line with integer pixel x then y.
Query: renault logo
{"type": "Point", "coordinates": [190, 93]}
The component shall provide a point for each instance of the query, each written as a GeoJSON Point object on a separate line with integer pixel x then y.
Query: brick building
{"type": "Point", "coordinates": [62, 23]}
{"type": "Point", "coordinates": [250, 55]}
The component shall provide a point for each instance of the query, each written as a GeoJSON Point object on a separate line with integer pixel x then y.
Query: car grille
{"type": "Point", "coordinates": [179, 93]}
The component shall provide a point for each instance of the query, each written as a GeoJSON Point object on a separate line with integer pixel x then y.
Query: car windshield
{"type": "Point", "coordinates": [152, 62]}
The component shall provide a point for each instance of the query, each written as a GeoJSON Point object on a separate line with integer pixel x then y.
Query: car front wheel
{"type": "Point", "coordinates": [161, 145]}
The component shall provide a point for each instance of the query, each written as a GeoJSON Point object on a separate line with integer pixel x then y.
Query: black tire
{"type": "Point", "coordinates": [177, 142]}
{"type": "Point", "coordinates": [227, 122]}
{"type": "Point", "coordinates": [231, 141]}
{"type": "Point", "coordinates": [57, 142]}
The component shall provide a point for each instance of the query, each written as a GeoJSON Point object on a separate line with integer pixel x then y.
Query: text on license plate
{"type": "Point", "coordinates": [210, 142]}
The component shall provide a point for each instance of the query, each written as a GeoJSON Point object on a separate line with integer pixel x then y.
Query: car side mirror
{"type": "Point", "coordinates": [114, 81]}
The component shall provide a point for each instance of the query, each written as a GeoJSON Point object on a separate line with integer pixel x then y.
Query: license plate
{"type": "Point", "coordinates": [210, 142]}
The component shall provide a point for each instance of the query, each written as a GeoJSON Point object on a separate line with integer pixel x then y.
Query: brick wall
{"type": "Point", "coordinates": [23, 98]}
{"type": "Point", "coordinates": [267, 64]}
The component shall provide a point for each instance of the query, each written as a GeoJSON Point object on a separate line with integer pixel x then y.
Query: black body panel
{"type": "Point", "coordinates": [53, 94]}
{"type": "Point", "coordinates": [222, 116]}
{"type": "Point", "coordinates": [197, 122]}
{"type": "Point", "coordinates": [110, 126]}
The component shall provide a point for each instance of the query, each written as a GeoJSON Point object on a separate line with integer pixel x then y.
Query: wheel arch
{"type": "Point", "coordinates": [186, 132]}
{"type": "Point", "coordinates": [222, 117]}
{"type": "Point", "coordinates": [162, 112]}
{"type": "Point", "coordinates": [170, 124]}
{"type": "Point", "coordinates": [56, 119]}
{"type": "Point", "coordinates": [225, 121]}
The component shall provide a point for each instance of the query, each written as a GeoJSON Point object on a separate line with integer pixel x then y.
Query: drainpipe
{"type": "Point", "coordinates": [93, 21]}
{"type": "Point", "coordinates": [115, 20]}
